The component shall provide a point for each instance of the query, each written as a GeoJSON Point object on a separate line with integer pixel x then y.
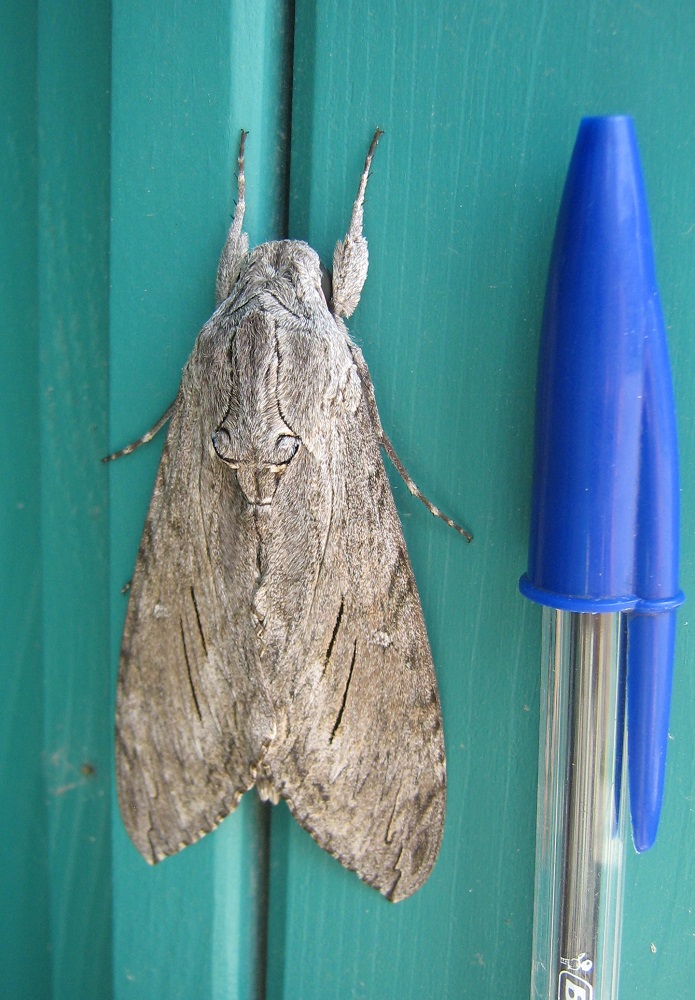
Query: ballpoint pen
{"type": "Point", "coordinates": [603, 562]}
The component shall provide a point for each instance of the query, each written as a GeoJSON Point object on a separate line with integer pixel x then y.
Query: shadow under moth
{"type": "Point", "coordinates": [274, 635]}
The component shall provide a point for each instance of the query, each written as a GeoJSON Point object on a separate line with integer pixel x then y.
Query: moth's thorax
{"type": "Point", "coordinates": [288, 361]}
{"type": "Point", "coordinates": [254, 438]}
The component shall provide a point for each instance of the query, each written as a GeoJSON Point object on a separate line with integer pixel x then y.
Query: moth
{"type": "Point", "coordinates": [274, 635]}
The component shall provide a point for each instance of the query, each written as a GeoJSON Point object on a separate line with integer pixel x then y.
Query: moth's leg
{"type": "Point", "coordinates": [237, 244]}
{"type": "Point", "coordinates": [403, 473]}
{"type": "Point", "coordinates": [152, 432]}
{"type": "Point", "coordinates": [350, 257]}
{"type": "Point", "coordinates": [373, 411]}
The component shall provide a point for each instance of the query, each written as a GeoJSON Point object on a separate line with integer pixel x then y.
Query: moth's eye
{"type": "Point", "coordinates": [285, 449]}
{"type": "Point", "coordinates": [222, 443]}
{"type": "Point", "coordinates": [327, 286]}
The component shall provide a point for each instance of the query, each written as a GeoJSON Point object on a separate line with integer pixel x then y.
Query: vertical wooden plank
{"type": "Point", "coordinates": [24, 925]}
{"type": "Point", "coordinates": [480, 104]}
{"type": "Point", "coordinates": [54, 276]}
{"type": "Point", "coordinates": [186, 79]}
{"type": "Point", "coordinates": [74, 44]}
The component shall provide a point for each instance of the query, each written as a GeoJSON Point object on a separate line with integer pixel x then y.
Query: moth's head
{"type": "Point", "coordinates": [295, 262]}
{"type": "Point", "coordinates": [289, 274]}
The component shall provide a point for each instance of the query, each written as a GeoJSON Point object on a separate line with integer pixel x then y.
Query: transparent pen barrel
{"type": "Point", "coordinates": [581, 821]}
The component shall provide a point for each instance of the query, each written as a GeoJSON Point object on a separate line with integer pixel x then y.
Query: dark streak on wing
{"type": "Point", "coordinates": [188, 668]}
{"type": "Point", "coordinates": [388, 836]}
{"type": "Point", "coordinates": [203, 522]}
{"type": "Point", "coordinates": [200, 626]}
{"type": "Point", "coordinates": [333, 637]}
{"type": "Point", "coordinates": [345, 692]}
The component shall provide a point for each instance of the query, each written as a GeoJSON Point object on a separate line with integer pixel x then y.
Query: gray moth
{"type": "Point", "coordinates": [274, 635]}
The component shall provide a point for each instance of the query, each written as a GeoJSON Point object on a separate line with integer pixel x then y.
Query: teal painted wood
{"type": "Point", "coordinates": [481, 103]}
{"type": "Point", "coordinates": [186, 79]}
{"type": "Point", "coordinates": [24, 914]}
{"type": "Point", "coordinates": [56, 937]}
{"type": "Point", "coordinates": [73, 245]}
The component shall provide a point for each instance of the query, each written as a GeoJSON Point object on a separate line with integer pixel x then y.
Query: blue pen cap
{"type": "Point", "coordinates": [604, 523]}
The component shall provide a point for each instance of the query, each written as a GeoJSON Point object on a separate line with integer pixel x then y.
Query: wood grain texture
{"type": "Point", "coordinates": [56, 756]}
{"type": "Point", "coordinates": [74, 189]}
{"type": "Point", "coordinates": [25, 926]}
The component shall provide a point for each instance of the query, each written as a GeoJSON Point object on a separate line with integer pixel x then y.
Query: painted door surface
{"type": "Point", "coordinates": [120, 128]}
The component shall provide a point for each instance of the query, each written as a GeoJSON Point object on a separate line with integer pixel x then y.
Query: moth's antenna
{"type": "Point", "coordinates": [237, 244]}
{"type": "Point", "coordinates": [240, 207]}
{"type": "Point", "coordinates": [350, 257]}
{"type": "Point", "coordinates": [357, 219]}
